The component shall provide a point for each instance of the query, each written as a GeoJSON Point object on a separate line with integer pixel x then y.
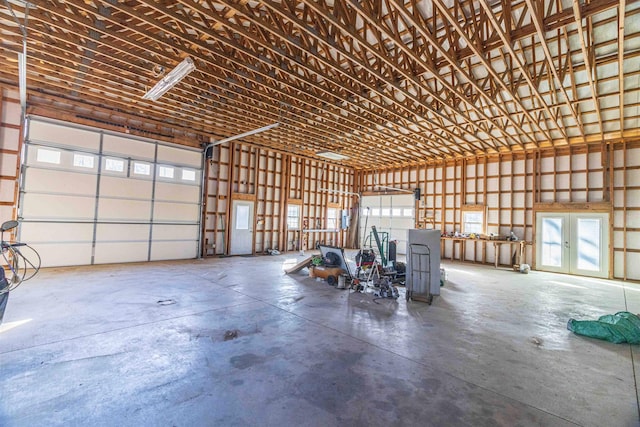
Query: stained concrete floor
{"type": "Point", "coordinates": [246, 345]}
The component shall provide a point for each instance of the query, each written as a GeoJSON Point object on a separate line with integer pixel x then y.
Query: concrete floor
{"type": "Point", "coordinates": [91, 346]}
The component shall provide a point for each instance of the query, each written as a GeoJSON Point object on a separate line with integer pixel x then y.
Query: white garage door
{"type": "Point", "coordinates": [93, 197]}
{"type": "Point", "coordinates": [393, 214]}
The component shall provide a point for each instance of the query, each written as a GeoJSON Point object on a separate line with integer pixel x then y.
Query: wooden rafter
{"type": "Point", "coordinates": [591, 72]}
{"type": "Point", "coordinates": [392, 82]}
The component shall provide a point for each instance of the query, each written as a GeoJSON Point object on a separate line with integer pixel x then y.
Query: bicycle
{"type": "Point", "coordinates": [17, 267]}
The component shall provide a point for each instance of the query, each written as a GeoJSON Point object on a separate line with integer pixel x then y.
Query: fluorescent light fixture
{"type": "Point", "coordinates": [22, 80]}
{"type": "Point", "coordinates": [242, 135]}
{"type": "Point", "coordinates": [171, 79]}
{"type": "Point", "coordinates": [331, 155]}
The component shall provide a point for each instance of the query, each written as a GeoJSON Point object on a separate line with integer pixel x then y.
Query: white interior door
{"type": "Point", "coordinates": [575, 243]}
{"type": "Point", "coordinates": [241, 240]}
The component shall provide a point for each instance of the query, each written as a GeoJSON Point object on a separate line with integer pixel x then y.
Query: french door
{"type": "Point", "coordinates": [574, 243]}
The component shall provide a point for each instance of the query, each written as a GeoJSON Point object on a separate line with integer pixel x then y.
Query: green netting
{"type": "Point", "coordinates": [617, 328]}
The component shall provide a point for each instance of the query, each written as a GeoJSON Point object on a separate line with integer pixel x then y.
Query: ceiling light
{"type": "Point", "coordinates": [171, 79]}
{"type": "Point", "coordinates": [331, 155]}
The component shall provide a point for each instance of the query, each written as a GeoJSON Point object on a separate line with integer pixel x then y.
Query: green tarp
{"type": "Point", "coordinates": [617, 328]}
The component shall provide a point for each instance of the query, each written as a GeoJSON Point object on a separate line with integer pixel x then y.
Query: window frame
{"type": "Point", "coordinates": [298, 217]}
{"type": "Point", "coordinates": [473, 209]}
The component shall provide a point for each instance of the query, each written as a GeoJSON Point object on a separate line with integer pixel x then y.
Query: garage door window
{"type": "Point", "coordinates": [188, 175]}
{"type": "Point", "coordinates": [48, 156]}
{"type": "Point", "coordinates": [83, 161]}
{"type": "Point", "coordinates": [141, 168]}
{"type": "Point", "coordinates": [114, 165]}
{"type": "Point", "coordinates": [165, 172]}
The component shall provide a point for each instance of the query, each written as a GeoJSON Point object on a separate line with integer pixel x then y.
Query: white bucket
{"type": "Point", "coordinates": [342, 280]}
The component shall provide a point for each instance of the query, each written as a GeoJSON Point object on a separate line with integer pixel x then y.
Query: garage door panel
{"type": "Point", "coordinates": [48, 206]}
{"type": "Point", "coordinates": [92, 196]}
{"type": "Point", "coordinates": [175, 212]}
{"type": "Point", "coordinates": [124, 210]}
{"type": "Point", "coordinates": [112, 252]}
{"type": "Point", "coordinates": [176, 192]}
{"type": "Point", "coordinates": [173, 250]}
{"type": "Point", "coordinates": [63, 135]}
{"type": "Point", "coordinates": [175, 232]}
{"type": "Point", "coordinates": [112, 186]}
{"type": "Point", "coordinates": [179, 156]}
{"type": "Point", "coordinates": [121, 232]}
{"type": "Point", "coordinates": [57, 181]}
{"type": "Point", "coordinates": [129, 147]}
{"type": "Point", "coordinates": [40, 232]}
{"type": "Point", "coordinates": [56, 254]}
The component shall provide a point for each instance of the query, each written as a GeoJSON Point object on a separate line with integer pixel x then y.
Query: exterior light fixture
{"type": "Point", "coordinates": [171, 79]}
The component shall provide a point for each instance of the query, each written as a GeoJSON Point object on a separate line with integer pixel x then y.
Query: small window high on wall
{"type": "Point", "coordinates": [293, 217]}
{"type": "Point", "coordinates": [332, 219]}
{"type": "Point", "coordinates": [473, 219]}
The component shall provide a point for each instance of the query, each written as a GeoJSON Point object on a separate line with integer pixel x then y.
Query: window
{"type": "Point", "coordinates": [48, 156]}
{"type": "Point", "coordinates": [375, 211]}
{"type": "Point", "coordinates": [396, 212]}
{"type": "Point", "coordinates": [473, 222]}
{"type": "Point", "coordinates": [188, 175]}
{"type": "Point", "coordinates": [141, 168]}
{"type": "Point", "coordinates": [407, 212]}
{"type": "Point", "coordinates": [114, 165]}
{"type": "Point", "coordinates": [332, 219]}
{"type": "Point", "coordinates": [83, 161]}
{"type": "Point", "coordinates": [386, 212]}
{"type": "Point", "coordinates": [293, 217]}
{"type": "Point", "coordinates": [165, 172]}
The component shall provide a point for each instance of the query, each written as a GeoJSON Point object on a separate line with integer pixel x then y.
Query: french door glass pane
{"type": "Point", "coordinates": [552, 242]}
{"type": "Point", "coordinates": [589, 244]}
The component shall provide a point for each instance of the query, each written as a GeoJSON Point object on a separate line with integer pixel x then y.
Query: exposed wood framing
{"type": "Point", "coordinates": [387, 82]}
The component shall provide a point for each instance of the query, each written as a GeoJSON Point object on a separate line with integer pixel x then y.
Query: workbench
{"type": "Point", "coordinates": [480, 245]}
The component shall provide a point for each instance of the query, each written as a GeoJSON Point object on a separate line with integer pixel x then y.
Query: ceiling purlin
{"type": "Point", "coordinates": [531, 122]}
{"type": "Point", "coordinates": [550, 23]}
{"type": "Point", "coordinates": [408, 109]}
{"type": "Point", "coordinates": [621, 17]}
{"type": "Point", "coordinates": [378, 86]}
{"type": "Point", "coordinates": [387, 27]}
{"type": "Point", "coordinates": [353, 87]}
{"type": "Point", "coordinates": [169, 114]}
{"type": "Point", "coordinates": [236, 50]}
{"type": "Point", "coordinates": [537, 18]}
{"type": "Point", "coordinates": [589, 64]}
{"type": "Point", "coordinates": [281, 51]}
{"type": "Point", "coordinates": [488, 30]}
{"type": "Point", "coordinates": [415, 19]}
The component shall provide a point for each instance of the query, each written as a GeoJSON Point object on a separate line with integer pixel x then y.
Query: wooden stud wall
{"type": "Point", "coordinates": [510, 185]}
{"type": "Point", "coordinates": [216, 202]}
{"type": "Point", "coordinates": [319, 186]}
{"type": "Point", "coordinates": [10, 147]}
{"type": "Point", "coordinates": [273, 179]}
